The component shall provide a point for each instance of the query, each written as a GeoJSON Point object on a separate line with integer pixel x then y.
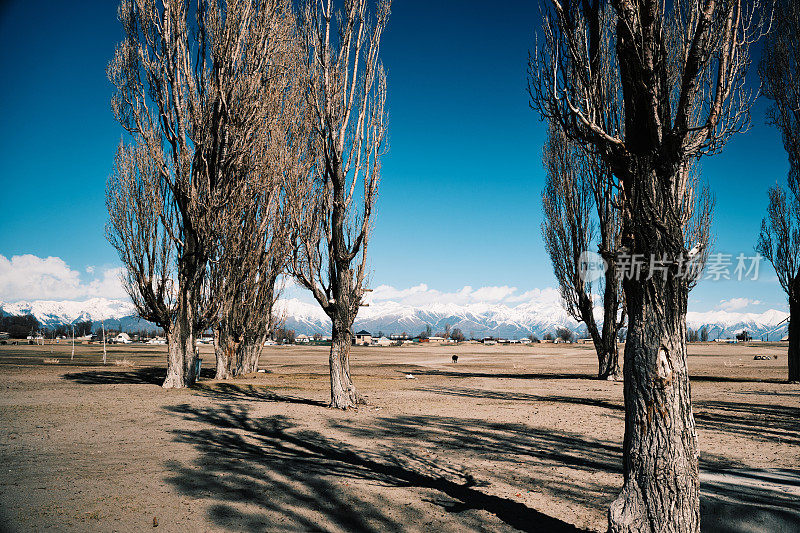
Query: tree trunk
{"type": "Point", "coordinates": [180, 356]}
{"type": "Point", "coordinates": [661, 488]}
{"type": "Point", "coordinates": [605, 345]}
{"type": "Point", "coordinates": [608, 358]}
{"type": "Point", "coordinates": [248, 355]}
{"type": "Point", "coordinates": [236, 357]}
{"type": "Point", "coordinates": [343, 392]}
{"type": "Point", "coordinates": [222, 353]}
{"type": "Point", "coordinates": [181, 370]}
{"type": "Point", "coordinates": [794, 340]}
{"type": "Point", "coordinates": [608, 354]}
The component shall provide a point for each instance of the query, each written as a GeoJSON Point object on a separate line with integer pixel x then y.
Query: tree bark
{"type": "Point", "coordinates": [607, 353]}
{"type": "Point", "coordinates": [661, 488]}
{"type": "Point", "coordinates": [222, 353]}
{"type": "Point", "coordinates": [608, 359]}
{"type": "Point", "coordinates": [794, 337]}
{"type": "Point", "coordinates": [181, 335]}
{"type": "Point", "coordinates": [180, 356]}
{"type": "Point", "coordinates": [236, 357]}
{"type": "Point", "coordinates": [343, 392]}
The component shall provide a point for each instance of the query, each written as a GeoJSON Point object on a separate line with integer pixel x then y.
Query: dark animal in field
{"type": "Point", "coordinates": [455, 359]}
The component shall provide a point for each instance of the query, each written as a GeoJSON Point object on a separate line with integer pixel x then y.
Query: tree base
{"type": "Point", "coordinates": [625, 515]}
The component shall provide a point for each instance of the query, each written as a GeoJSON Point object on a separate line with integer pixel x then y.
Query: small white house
{"type": "Point", "coordinates": [383, 341]}
{"type": "Point", "coordinates": [302, 339]}
{"type": "Point", "coordinates": [122, 338]}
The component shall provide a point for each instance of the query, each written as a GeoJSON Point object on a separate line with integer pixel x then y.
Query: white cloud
{"type": "Point", "coordinates": [29, 277]}
{"type": "Point", "coordinates": [734, 304]}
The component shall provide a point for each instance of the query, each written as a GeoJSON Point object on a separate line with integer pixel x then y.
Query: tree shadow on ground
{"type": "Point", "coordinates": [148, 375]}
{"type": "Point", "coordinates": [233, 392]}
{"type": "Point", "coordinates": [759, 421]}
{"type": "Point", "coordinates": [523, 397]}
{"type": "Point", "coordinates": [764, 422]}
{"type": "Point", "coordinates": [736, 500]}
{"type": "Point", "coordinates": [732, 379]}
{"type": "Point", "coordinates": [269, 473]}
{"type": "Point", "coordinates": [299, 479]}
{"type": "Point", "coordinates": [502, 375]}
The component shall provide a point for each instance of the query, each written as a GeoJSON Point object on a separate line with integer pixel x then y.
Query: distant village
{"type": "Point", "coordinates": [29, 331]}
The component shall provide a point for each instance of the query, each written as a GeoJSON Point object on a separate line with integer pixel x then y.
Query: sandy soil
{"type": "Point", "coordinates": [508, 438]}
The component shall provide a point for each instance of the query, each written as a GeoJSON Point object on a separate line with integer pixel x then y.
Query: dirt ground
{"type": "Point", "coordinates": [508, 438]}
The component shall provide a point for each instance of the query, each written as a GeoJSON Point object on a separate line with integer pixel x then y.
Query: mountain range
{"type": "Point", "coordinates": [537, 316]}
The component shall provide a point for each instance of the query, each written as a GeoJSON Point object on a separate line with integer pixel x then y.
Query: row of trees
{"type": "Point", "coordinates": [19, 327]}
{"type": "Point", "coordinates": [635, 92]}
{"type": "Point", "coordinates": [697, 335]}
{"type": "Point", "coordinates": [254, 133]}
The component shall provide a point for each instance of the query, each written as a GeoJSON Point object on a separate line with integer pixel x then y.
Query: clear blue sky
{"type": "Point", "coordinates": [459, 198]}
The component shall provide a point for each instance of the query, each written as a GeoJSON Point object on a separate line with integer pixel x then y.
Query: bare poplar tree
{"type": "Point", "coordinates": [680, 69]}
{"type": "Point", "coordinates": [346, 99]}
{"type": "Point", "coordinates": [252, 241]}
{"type": "Point", "coordinates": [779, 240]}
{"type": "Point", "coordinates": [189, 80]}
{"type": "Point", "coordinates": [578, 203]}
{"type": "Point", "coordinates": [243, 278]}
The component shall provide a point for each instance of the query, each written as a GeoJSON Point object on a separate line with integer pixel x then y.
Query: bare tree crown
{"type": "Point", "coordinates": [346, 100]}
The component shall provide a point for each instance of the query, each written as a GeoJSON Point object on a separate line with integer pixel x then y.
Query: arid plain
{"type": "Point", "coordinates": [508, 438]}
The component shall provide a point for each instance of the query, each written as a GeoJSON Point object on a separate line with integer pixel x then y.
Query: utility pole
{"type": "Point", "coordinates": [104, 341]}
{"type": "Point", "coordinates": [73, 343]}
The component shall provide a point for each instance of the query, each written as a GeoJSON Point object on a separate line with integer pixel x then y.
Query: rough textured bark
{"type": "Point", "coordinates": [608, 354]}
{"type": "Point", "coordinates": [236, 357]}
{"type": "Point", "coordinates": [180, 356]}
{"type": "Point", "coordinates": [661, 488]}
{"type": "Point", "coordinates": [343, 392]}
{"type": "Point", "coordinates": [181, 350]}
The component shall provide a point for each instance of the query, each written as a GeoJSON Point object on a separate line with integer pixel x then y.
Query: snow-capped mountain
{"type": "Point", "coordinates": [49, 312]}
{"type": "Point", "coordinates": [117, 314]}
{"type": "Point", "coordinates": [538, 315]}
{"type": "Point", "coordinates": [480, 319]}
{"type": "Point", "coordinates": [477, 319]}
{"type": "Point", "coordinates": [771, 325]}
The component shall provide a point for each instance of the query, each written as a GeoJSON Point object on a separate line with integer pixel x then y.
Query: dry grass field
{"type": "Point", "coordinates": [509, 438]}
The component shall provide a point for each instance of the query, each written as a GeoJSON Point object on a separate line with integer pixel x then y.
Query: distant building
{"type": "Point", "coordinates": [363, 338]}
{"type": "Point", "coordinates": [436, 340]}
{"type": "Point", "coordinates": [3, 335]}
{"type": "Point", "coordinates": [383, 341]}
{"type": "Point", "coordinates": [489, 341]}
{"type": "Point", "coordinates": [122, 338]}
{"type": "Point", "coordinates": [304, 339]}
